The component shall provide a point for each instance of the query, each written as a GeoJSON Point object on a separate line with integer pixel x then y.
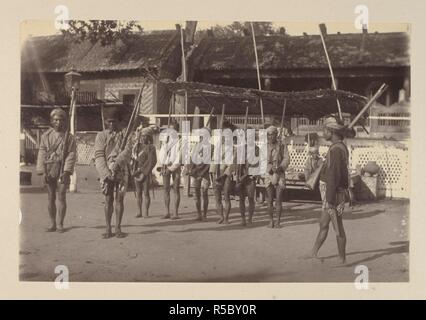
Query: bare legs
{"type": "Point", "coordinates": [62, 205]}
{"type": "Point", "coordinates": [337, 223]}
{"type": "Point", "coordinates": [205, 194]}
{"type": "Point", "coordinates": [176, 191]}
{"type": "Point", "coordinates": [224, 188]}
{"type": "Point", "coordinates": [278, 192]}
{"type": "Point", "coordinates": [218, 198]}
{"type": "Point", "coordinates": [227, 198]}
{"type": "Point", "coordinates": [324, 223]}
{"type": "Point", "coordinates": [109, 209]}
{"type": "Point", "coordinates": [119, 210]}
{"type": "Point", "coordinates": [201, 191]}
{"type": "Point", "coordinates": [166, 185]}
{"type": "Point", "coordinates": [248, 189]}
{"type": "Point", "coordinates": [51, 205]}
{"type": "Point", "coordinates": [143, 199]}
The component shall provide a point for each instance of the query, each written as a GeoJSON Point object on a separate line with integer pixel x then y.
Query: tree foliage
{"type": "Point", "coordinates": [238, 29]}
{"type": "Point", "coordinates": [108, 32]}
{"type": "Point", "coordinates": [105, 32]}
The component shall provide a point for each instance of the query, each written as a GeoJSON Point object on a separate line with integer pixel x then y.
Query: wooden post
{"type": "Point", "coordinates": [388, 98]}
{"type": "Point", "coordinates": [196, 121]}
{"type": "Point", "coordinates": [188, 177]}
{"type": "Point", "coordinates": [406, 86]}
{"type": "Point", "coordinates": [258, 74]}
{"type": "Point", "coordinates": [183, 55]}
{"type": "Point", "coordinates": [38, 138]}
{"type": "Point", "coordinates": [331, 71]}
{"type": "Point", "coordinates": [73, 122]}
{"type": "Point", "coordinates": [102, 116]}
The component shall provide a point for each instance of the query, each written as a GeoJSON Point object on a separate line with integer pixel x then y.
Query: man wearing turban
{"type": "Point", "coordinates": [171, 172]}
{"type": "Point", "coordinates": [333, 187]}
{"type": "Point", "coordinates": [49, 160]}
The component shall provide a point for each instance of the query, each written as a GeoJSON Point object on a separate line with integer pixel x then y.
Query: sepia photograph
{"type": "Point", "coordinates": [214, 151]}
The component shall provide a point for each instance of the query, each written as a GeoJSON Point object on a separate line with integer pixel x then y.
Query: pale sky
{"type": "Point", "coordinates": [47, 27]}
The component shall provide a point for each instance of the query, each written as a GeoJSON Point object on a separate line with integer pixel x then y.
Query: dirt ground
{"type": "Point", "coordinates": [188, 251]}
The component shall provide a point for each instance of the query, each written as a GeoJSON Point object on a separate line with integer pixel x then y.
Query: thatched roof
{"type": "Point", "coordinates": [280, 52]}
{"type": "Point", "coordinates": [59, 54]}
{"type": "Point", "coordinates": [312, 104]}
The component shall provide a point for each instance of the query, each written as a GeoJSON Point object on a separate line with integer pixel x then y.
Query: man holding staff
{"type": "Point", "coordinates": [50, 157]}
{"type": "Point", "coordinates": [112, 166]}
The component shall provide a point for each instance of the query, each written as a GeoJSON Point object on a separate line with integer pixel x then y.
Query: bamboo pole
{"type": "Point", "coordinates": [188, 184]}
{"type": "Point", "coordinates": [331, 73]}
{"type": "Point", "coordinates": [379, 92]}
{"type": "Point", "coordinates": [210, 117]}
{"type": "Point", "coordinates": [282, 124]}
{"type": "Point", "coordinates": [222, 116]}
{"type": "Point", "coordinates": [283, 117]}
{"type": "Point", "coordinates": [258, 73]}
{"type": "Point", "coordinates": [183, 55]}
{"type": "Point", "coordinates": [170, 110]}
{"type": "Point", "coordinates": [102, 117]}
{"type": "Point", "coordinates": [73, 178]}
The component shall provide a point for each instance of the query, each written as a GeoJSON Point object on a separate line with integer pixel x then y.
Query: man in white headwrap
{"type": "Point", "coordinates": [278, 160]}
{"type": "Point", "coordinates": [171, 173]}
{"type": "Point", "coordinates": [49, 160]}
{"type": "Point", "coordinates": [333, 186]}
{"type": "Point", "coordinates": [143, 160]}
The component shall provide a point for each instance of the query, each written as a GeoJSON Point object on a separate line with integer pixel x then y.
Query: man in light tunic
{"type": "Point", "coordinates": [49, 159]}
{"type": "Point", "coordinates": [112, 165]}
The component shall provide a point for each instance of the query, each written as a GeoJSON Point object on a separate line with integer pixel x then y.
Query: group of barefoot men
{"type": "Point", "coordinates": [116, 164]}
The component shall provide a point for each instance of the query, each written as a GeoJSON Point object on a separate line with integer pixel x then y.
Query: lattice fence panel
{"type": "Point", "coordinates": [393, 177]}
{"type": "Point", "coordinates": [299, 154]}
{"type": "Point", "coordinates": [85, 153]}
{"type": "Point", "coordinates": [85, 147]}
{"type": "Point", "coordinates": [394, 174]}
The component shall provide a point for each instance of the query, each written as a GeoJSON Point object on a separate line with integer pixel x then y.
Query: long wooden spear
{"type": "Point", "coordinates": [282, 124]}
{"type": "Point", "coordinates": [377, 95]}
{"type": "Point", "coordinates": [220, 137]}
{"type": "Point", "coordinates": [331, 72]}
{"type": "Point", "coordinates": [210, 117]}
{"type": "Point", "coordinates": [186, 93]}
{"type": "Point", "coordinates": [258, 73]}
{"type": "Point", "coordinates": [70, 127]}
{"type": "Point", "coordinates": [182, 45]}
{"type": "Point", "coordinates": [133, 116]}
